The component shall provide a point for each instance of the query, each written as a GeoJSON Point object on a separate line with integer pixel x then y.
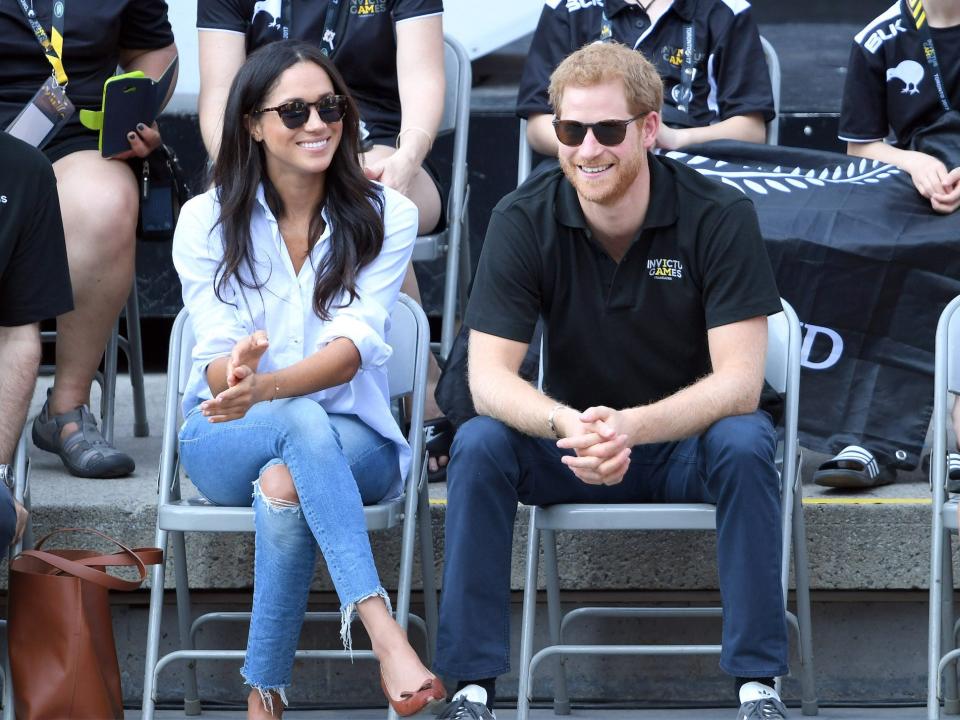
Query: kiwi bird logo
{"type": "Point", "coordinates": [271, 8]}
{"type": "Point", "coordinates": [910, 72]}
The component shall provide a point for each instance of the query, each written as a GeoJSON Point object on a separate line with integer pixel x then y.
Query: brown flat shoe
{"type": "Point", "coordinates": [410, 703]}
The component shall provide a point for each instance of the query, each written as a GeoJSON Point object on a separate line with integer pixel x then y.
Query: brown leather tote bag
{"type": "Point", "coordinates": [62, 654]}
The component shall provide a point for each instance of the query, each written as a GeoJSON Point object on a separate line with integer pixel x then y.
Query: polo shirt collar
{"type": "Point", "coordinates": [683, 8]}
{"type": "Point", "coordinates": [661, 211]}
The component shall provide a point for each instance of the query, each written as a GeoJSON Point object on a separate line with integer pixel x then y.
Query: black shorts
{"type": "Point", "coordinates": [73, 137]}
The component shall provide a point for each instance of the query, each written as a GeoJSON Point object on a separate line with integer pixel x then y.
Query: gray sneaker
{"type": "Point", "coordinates": [85, 452]}
{"type": "Point", "coordinates": [766, 709]}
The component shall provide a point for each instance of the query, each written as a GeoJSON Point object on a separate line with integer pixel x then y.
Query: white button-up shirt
{"type": "Point", "coordinates": [283, 306]}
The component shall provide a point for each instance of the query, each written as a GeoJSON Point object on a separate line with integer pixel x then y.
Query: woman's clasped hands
{"type": "Point", "coordinates": [245, 386]}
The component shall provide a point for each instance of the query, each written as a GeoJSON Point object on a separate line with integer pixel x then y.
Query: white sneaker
{"type": "Point", "coordinates": [470, 703]}
{"type": "Point", "coordinates": [760, 702]}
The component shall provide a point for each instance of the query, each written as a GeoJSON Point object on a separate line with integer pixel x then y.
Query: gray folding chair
{"type": "Point", "coordinates": [773, 67]}
{"type": "Point", "coordinates": [942, 634]}
{"type": "Point", "coordinates": [21, 492]}
{"type": "Point", "coordinates": [132, 348]}
{"type": "Point", "coordinates": [525, 153]}
{"type": "Point", "coordinates": [783, 373]}
{"type": "Point", "coordinates": [453, 239]}
{"type": "Point", "coordinates": [407, 372]}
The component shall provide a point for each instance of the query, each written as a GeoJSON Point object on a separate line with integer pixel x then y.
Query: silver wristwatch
{"type": "Point", "coordinates": [6, 475]}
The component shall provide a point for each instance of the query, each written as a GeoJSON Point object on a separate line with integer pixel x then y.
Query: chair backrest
{"type": "Point", "coordinates": [458, 75]}
{"type": "Point", "coordinates": [946, 379]}
{"type": "Point", "coordinates": [773, 67]}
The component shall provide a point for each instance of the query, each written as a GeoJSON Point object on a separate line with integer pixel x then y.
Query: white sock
{"type": "Point", "coordinates": [472, 693]}
{"type": "Point", "coordinates": [756, 691]}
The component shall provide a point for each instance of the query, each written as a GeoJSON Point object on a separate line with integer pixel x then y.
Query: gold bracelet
{"type": "Point", "coordinates": [418, 129]}
{"type": "Point", "coordinates": [276, 387]}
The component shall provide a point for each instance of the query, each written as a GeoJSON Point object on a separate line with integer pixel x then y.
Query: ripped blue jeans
{"type": "Point", "coordinates": [338, 464]}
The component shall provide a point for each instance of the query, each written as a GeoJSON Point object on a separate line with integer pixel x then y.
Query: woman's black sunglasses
{"type": "Point", "coordinates": [607, 132]}
{"type": "Point", "coordinates": [295, 113]}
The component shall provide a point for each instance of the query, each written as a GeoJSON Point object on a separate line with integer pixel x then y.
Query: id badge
{"type": "Point", "coordinates": [43, 116]}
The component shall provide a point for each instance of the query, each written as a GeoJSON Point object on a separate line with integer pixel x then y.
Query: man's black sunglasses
{"type": "Point", "coordinates": [295, 113]}
{"type": "Point", "coordinates": [607, 132]}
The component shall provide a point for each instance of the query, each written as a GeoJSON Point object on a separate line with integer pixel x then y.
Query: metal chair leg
{"type": "Point", "coordinates": [529, 617]}
{"type": "Point", "coordinates": [561, 700]}
{"type": "Point", "coordinates": [153, 631]}
{"type": "Point", "coordinates": [109, 387]}
{"type": "Point", "coordinates": [191, 696]}
{"type": "Point", "coordinates": [428, 573]}
{"type": "Point", "coordinates": [141, 428]}
{"type": "Point", "coordinates": [808, 691]}
{"type": "Point", "coordinates": [951, 703]}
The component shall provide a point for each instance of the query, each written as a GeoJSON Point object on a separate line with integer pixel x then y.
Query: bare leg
{"type": "Point", "coordinates": [399, 662]}
{"type": "Point", "coordinates": [19, 358]}
{"type": "Point", "coordinates": [256, 709]}
{"type": "Point", "coordinates": [402, 669]}
{"type": "Point", "coordinates": [423, 192]}
{"type": "Point", "coordinates": [98, 200]}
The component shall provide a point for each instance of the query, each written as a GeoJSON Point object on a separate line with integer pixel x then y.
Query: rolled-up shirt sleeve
{"type": "Point", "coordinates": [197, 249]}
{"type": "Point", "coordinates": [365, 320]}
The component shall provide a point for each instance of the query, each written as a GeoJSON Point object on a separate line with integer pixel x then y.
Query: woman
{"type": "Point", "coordinates": [290, 267]}
{"type": "Point", "coordinates": [390, 52]}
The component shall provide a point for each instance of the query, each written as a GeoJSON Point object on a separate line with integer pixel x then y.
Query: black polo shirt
{"type": "Point", "coordinates": [34, 279]}
{"type": "Point", "coordinates": [631, 333]}
{"type": "Point", "coordinates": [731, 78]}
{"type": "Point", "coordinates": [366, 55]}
{"type": "Point", "coordinates": [889, 85]}
{"type": "Point", "coordinates": [94, 33]}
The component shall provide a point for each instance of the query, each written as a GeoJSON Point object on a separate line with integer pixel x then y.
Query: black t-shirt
{"type": "Point", "coordinates": [94, 33]}
{"type": "Point", "coordinates": [34, 279]}
{"type": "Point", "coordinates": [631, 333]}
{"type": "Point", "coordinates": [889, 84]}
{"type": "Point", "coordinates": [731, 73]}
{"type": "Point", "coordinates": [366, 55]}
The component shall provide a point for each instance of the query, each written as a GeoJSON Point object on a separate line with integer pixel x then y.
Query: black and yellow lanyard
{"type": "Point", "coordinates": [929, 52]}
{"type": "Point", "coordinates": [53, 45]}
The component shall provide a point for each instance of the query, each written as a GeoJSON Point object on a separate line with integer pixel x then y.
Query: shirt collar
{"type": "Point", "coordinates": [661, 211]}
{"type": "Point", "coordinates": [683, 8]}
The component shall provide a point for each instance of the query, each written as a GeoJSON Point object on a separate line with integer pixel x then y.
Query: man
{"type": "Point", "coordinates": [894, 84]}
{"type": "Point", "coordinates": [34, 284]}
{"type": "Point", "coordinates": [654, 287]}
{"type": "Point", "coordinates": [728, 95]}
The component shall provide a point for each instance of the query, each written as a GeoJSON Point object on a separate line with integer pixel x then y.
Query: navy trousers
{"type": "Point", "coordinates": [493, 466]}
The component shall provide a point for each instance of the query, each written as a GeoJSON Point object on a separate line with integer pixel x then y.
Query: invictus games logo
{"type": "Point", "coordinates": [58, 9]}
{"type": "Point", "coordinates": [665, 269]}
{"type": "Point", "coordinates": [367, 7]}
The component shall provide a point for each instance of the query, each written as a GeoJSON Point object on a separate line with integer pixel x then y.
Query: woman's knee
{"type": "Point", "coordinates": [277, 488]}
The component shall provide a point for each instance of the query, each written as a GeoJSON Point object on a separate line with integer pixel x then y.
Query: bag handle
{"type": "Point", "coordinates": [140, 558]}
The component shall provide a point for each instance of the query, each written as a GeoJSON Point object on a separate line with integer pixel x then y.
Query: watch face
{"type": "Point", "coordinates": [6, 476]}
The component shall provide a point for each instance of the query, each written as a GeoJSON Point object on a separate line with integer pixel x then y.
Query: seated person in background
{"type": "Point", "coordinates": [99, 198]}
{"type": "Point", "coordinates": [34, 285]}
{"type": "Point", "coordinates": [391, 55]}
{"type": "Point", "coordinates": [290, 268]}
{"type": "Point", "coordinates": [634, 414]}
{"type": "Point", "coordinates": [730, 95]}
{"type": "Point", "coordinates": [890, 86]}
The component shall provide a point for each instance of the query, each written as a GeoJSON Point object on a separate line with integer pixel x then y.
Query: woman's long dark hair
{"type": "Point", "coordinates": [354, 204]}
